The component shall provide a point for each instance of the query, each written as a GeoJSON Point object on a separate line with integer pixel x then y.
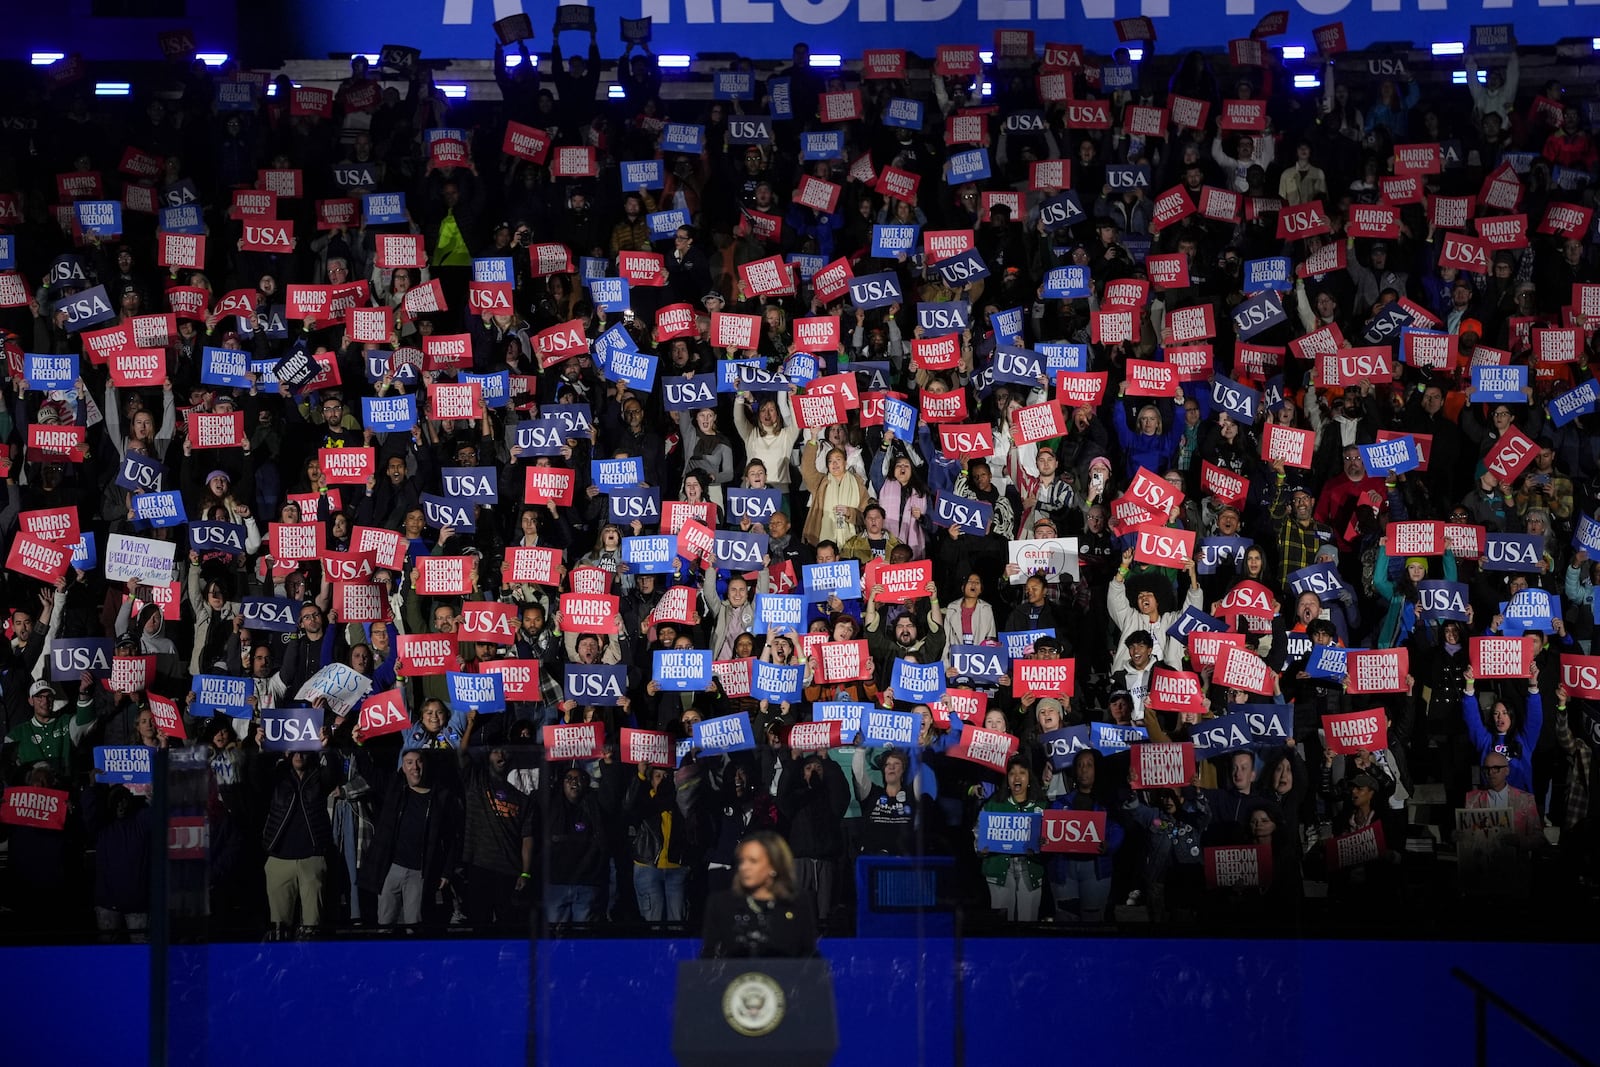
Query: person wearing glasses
{"type": "Point", "coordinates": [1527, 827]}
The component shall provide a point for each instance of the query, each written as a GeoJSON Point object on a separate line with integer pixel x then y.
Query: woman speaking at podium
{"type": "Point", "coordinates": [763, 914]}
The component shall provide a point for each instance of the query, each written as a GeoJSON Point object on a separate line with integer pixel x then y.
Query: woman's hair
{"type": "Point", "coordinates": [779, 856]}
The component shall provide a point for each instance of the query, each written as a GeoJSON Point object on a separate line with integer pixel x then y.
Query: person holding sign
{"type": "Point", "coordinates": [1402, 617]}
{"type": "Point", "coordinates": [891, 812]}
{"type": "Point", "coordinates": [1081, 883]}
{"type": "Point", "coordinates": [1015, 878]}
{"type": "Point", "coordinates": [1499, 731]}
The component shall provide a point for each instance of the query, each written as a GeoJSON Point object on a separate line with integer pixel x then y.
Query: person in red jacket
{"type": "Point", "coordinates": [1343, 493]}
{"type": "Point", "coordinates": [1569, 146]}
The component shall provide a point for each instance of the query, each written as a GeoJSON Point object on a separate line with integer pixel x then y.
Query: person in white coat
{"type": "Point", "coordinates": [1146, 614]}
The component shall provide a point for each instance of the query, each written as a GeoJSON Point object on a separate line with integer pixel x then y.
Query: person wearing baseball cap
{"type": "Point", "coordinates": [48, 736]}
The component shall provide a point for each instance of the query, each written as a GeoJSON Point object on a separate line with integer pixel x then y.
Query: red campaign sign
{"type": "Point", "coordinates": [1302, 221]}
{"type": "Point", "coordinates": [967, 441]}
{"type": "Point", "coordinates": [307, 101]}
{"type": "Point", "coordinates": [1569, 220]}
{"type": "Point", "coordinates": [165, 712]}
{"type": "Point", "coordinates": [1126, 293]}
{"type": "Point", "coordinates": [1502, 657]}
{"type": "Point", "coordinates": [130, 674]}
{"type": "Point", "coordinates": [426, 654]}
{"type": "Point", "coordinates": [968, 705]}
{"type": "Point", "coordinates": [1147, 378]}
{"type": "Point", "coordinates": [1373, 220]}
{"type": "Point", "coordinates": [817, 334]}
{"type": "Point", "coordinates": [1172, 690]}
{"type": "Point", "coordinates": [1187, 325]}
{"type": "Point", "coordinates": [14, 291]}
{"type": "Point", "coordinates": [307, 301]}
{"type": "Point", "coordinates": [1220, 205]}
{"type": "Point", "coordinates": [1037, 422]}
{"type": "Point", "coordinates": [944, 407]}
{"type": "Point", "coordinates": [446, 575]}
{"type": "Point", "coordinates": [1354, 849]}
{"type": "Point", "coordinates": [347, 466]}
{"type": "Point", "coordinates": [295, 541]}
{"type": "Point", "coordinates": [1127, 514]}
{"type": "Point", "coordinates": [1328, 258]}
{"type": "Point", "coordinates": [1088, 115]}
{"type": "Point", "coordinates": [533, 564]}
{"type": "Point", "coordinates": [1048, 175]}
{"type": "Point", "coordinates": [901, 582]}
{"type": "Point", "coordinates": [1561, 345]}
{"type": "Point", "coordinates": [284, 182]}
{"type": "Point", "coordinates": [1135, 29]}
{"type": "Point", "coordinates": [936, 353]}
{"type": "Point", "coordinates": [1168, 271]}
{"type": "Point", "coordinates": [1502, 189]}
{"type": "Point", "coordinates": [560, 342]}
{"type": "Point", "coordinates": [573, 161]}
{"type": "Point", "coordinates": [1418, 538]}
{"type": "Point", "coordinates": [840, 106]}
{"type": "Point", "coordinates": [155, 330]}
{"type": "Point", "coordinates": [956, 60]}
{"type": "Point", "coordinates": [1164, 546]}
{"type": "Point", "coordinates": [525, 142]}
{"type": "Point", "coordinates": [337, 214]}
{"type": "Point", "coordinates": [1324, 340]}
{"type": "Point", "coordinates": [1401, 190]}
{"type": "Point", "coordinates": [883, 63]}
{"type": "Point", "coordinates": [1511, 455]}
{"type": "Point", "coordinates": [1238, 866]}
{"type": "Point", "coordinates": [1153, 492]}
{"type": "Point", "coordinates": [455, 400]}
{"type": "Point", "coordinates": [57, 440]}
{"type": "Point", "coordinates": [678, 604]}
{"type": "Point", "coordinates": [1073, 832]}
{"type": "Point", "coordinates": [518, 677]}
{"type": "Point", "coordinates": [574, 741]}
{"type": "Point", "coordinates": [1418, 159]}
{"type": "Point", "coordinates": [1506, 232]}
{"type": "Point", "coordinates": [1240, 668]}
{"type": "Point", "coordinates": [841, 385]}
{"type": "Point", "coordinates": [181, 250]}
{"type": "Point", "coordinates": [368, 325]}
{"type": "Point", "coordinates": [647, 746]}
{"type": "Point", "coordinates": [1080, 388]}
{"type": "Point", "coordinates": [940, 245]}
{"type": "Point", "coordinates": [384, 713]}
{"type": "Point", "coordinates": [1586, 299]}
{"type": "Point", "coordinates": [832, 282]}
{"type": "Point", "coordinates": [1351, 366]}
{"type": "Point", "coordinates": [386, 547]}
{"type": "Point", "coordinates": [1271, 25]}
{"type": "Point", "coordinates": [1258, 362]}
{"type": "Point", "coordinates": [1450, 212]}
{"type": "Point", "coordinates": [733, 676]}
{"type": "Point", "coordinates": [51, 524]}
{"type": "Point", "coordinates": [814, 736]}
{"type": "Point", "coordinates": [401, 250]}
{"type": "Point", "coordinates": [695, 540]}
{"type": "Point", "coordinates": [842, 661]}
{"type": "Point", "coordinates": [1243, 115]}
{"type": "Point", "coordinates": [1465, 540]}
{"type": "Point", "coordinates": [987, 748]}
{"type": "Point", "coordinates": [1189, 113]}
{"type": "Point", "coordinates": [759, 277]}
{"type": "Point", "coordinates": [78, 185]}
{"type": "Point", "coordinates": [1043, 677]}
{"type": "Point", "coordinates": [42, 809]}
{"type": "Point", "coordinates": [1377, 671]}
{"type": "Point", "coordinates": [447, 152]}
{"type": "Point", "coordinates": [589, 612]}
{"type": "Point", "coordinates": [188, 302]}
{"type": "Point", "coordinates": [208, 429]}
{"type": "Point", "coordinates": [1063, 56]}
{"type": "Point", "coordinates": [675, 320]}
{"type": "Point", "coordinates": [1207, 648]}
{"type": "Point", "coordinates": [1140, 121]}
{"type": "Point", "coordinates": [1330, 39]}
{"type": "Point", "coordinates": [43, 560]}
{"type": "Point", "coordinates": [1161, 765]}
{"type": "Point", "coordinates": [1226, 486]}
{"type": "Point", "coordinates": [268, 236]}
{"type": "Point", "coordinates": [1171, 206]}
{"type": "Point", "coordinates": [589, 580]}
{"type": "Point", "coordinates": [1581, 676]}
{"type": "Point", "coordinates": [1245, 52]}
{"type": "Point", "coordinates": [138, 367]}
{"type": "Point", "coordinates": [735, 331]}
{"type": "Point", "coordinates": [817, 412]}
{"type": "Point", "coordinates": [1356, 731]}
{"type": "Point", "coordinates": [898, 184]}
{"type": "Point", "coordinates": [489, 298]}
{"type": "Point", "coordinates": [1113, 328]}
{"type": "Point", "coordinates": [549, 258]}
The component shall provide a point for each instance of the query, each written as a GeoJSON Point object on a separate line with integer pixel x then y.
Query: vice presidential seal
{"type": "Point", "coordinates": [753, 1004]}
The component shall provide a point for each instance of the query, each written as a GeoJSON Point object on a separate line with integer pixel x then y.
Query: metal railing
{"type": "Point", "coordinates": [1483, 997]}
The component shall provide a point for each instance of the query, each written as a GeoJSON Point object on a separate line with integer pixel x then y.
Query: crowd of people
{"type": "Point", "coordinates": [521, 506]}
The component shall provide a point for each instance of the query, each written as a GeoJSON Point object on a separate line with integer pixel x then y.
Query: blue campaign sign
{"type": "Point", "coordinates": [1061, 355]}
{"type": "Point", "coordinates": [183, 218]}
{"type": "Point", "coordinates": [650, 554]}
{"type": "Point", "coordinates": [223, 694]}
{"type": "Point", "coordinates": [1017, 366]}
{"type": "Point", "coordinates": [840, 579]}
{"type": "Point", "coordinates": [979, 663]}
{"type": "Point", "coordinates": [1007, 326]}
{"type": "Point", "coordinates": [1385, 327]}
{"type": "Point", "coordinates": [779, 613]}
{"type": "Point", "coordinates": [480, 485]}
{"type": "Point", "coordinates": [159, 510]}
{"type": "Point", "coordinates": [91, 307]}
{"type": "Point", "coordinates": [900, 417]}
{"type": "Point", "coordinates": [683, 137]}
{"type": "Point", "coordinates": [575, 419]}
{"type": "Point", "coordinates": [682, 669]}
{"type": "Point", "coordinates": [1066, 283]}
{"type": "Point", "coordinates": [1125, 176]}
{"type": "Point", "coordinates": [1326, 661]}
{"type": "Point", "coordinates": [626, 506]}
{"type": "Point", "coordinates": [689, 393]}
{"type": "Point", "coordinates": [757, 505]}
{"type": "Point", "coordinates": [291, 729]}
{"type": "Point", "coordinates": [904, 114]}
{"type": "Point", "coordinates": [1270, 724]}
{"type": "Point", "coordinates": [970, 165]}
{"type": "Point", "coordinates": [611, 294]}
{"type": "Point", "coordinates": [1397, 455]}
{"type": "Point", "coordinates": [848, 714]}
{"type": "Point", "coordinates": [940, 318]}
{"type": "Point", "coordinates": [378, 209]}
{"type": "Point", "coordinates": [780, 99]}
{"type": "Point", "coordinates": [1212, 553]}
{"type": "Point", "coordinates": [964, 513]}
{"type": "Point", "coordinates": [872, 375]}
{"type": "Point", "coordinates": [1529, 609]}
{"type": "Point", "coordinates": [448, 513]}
{"type": "Point", "coordinates": [1496, 384]}
{"type": "Point", "coordinates": [483, 693]}
{"type": "Point", "coordinates": [917, 683]}
{"type": "Point", "coordinates": [494, 386]}
{"type": "Point", "coordinates": [1060, 211]}
{"type": "Point", "coordinates": [733, 85]}
{"type": "Point", "coordinates": [1320, 578]}
{"type": "Point", "coordinates": [1193, 620]}
{"type": "Point", "coordinates": [1018, 644]}
{"type": "Point", "coordinates": [8, 251]}
{"type": "Point", "coordinates": [1261, 312]}
{"type": "Point", "coordinates": [85, 557]}
{"type": "Point", "coordinates": [735, 551]}
{"type": "Point", "coordinates": [276, 613]}
{"type": "Point", "coordinates": [1512, 552]}
{"type": "Point", "coordinates": [881, 727]}
{"type": "Point", "coordinates": [755, 378]}
{"type": "Point", "coordinates": [65, 269]}
{"type": "Point", "coordinates": [46, 372]}
{"type": "Point", "coordinates": [592, 267]}
{"type": "Point", "coordinates": [726, 733]}
{"type": "Point", "coordinates": [750, 129]}
{"type": "Point", "coordinates": [869, 291]}
{"type": "Point", "coordinates": [611, 474]}
{"type": "Point", "coordinates": [1117, 77]}
{"type": "Point", "coordinates": [635, 368]}
{"type": "Point", "coordinates": [1443, 600]}
{"type": "Point", "coordinates": [1239, 401]}
{"type": "Point", "coordinates": [494, 269]}
{"type": "Point", "coordinates": [890, 240]}
{"type": "Point", "coordinates": [1492, 38]}
{"type": "Point", "coordinates": [607, 345]}
{"type": "Point", "coordinates": [70, 657]}
{"type": "Point", "coordinates": [1274, 272]}
{"type": "Point", "coordinates": [1010, 833]}
{"type": "Point", "coordinates": [1108, 738]}
{"type": "Point", "coordinates": [806, 264]}
{"type": "Point", "coordinates": [1579, 400]}
{"type": "Point", "coordinates": [1219, 736]}
{"type": "Point", "coordinates": [1586, 535]}
{"type": "Point", "coordinates": [801, 368]}
{"type": "Point", "coordinates": [225, 366]}
{"type": "Point", "coordinates": [602, 685]}
{"type": "Point", "coordinates": [776, 683]}
{"type": "Point", "coordinates": [124, 764]}
{"type": "Point", "coordinates": [98, 218]}
{"type": "Point", "coordinates": [825, 144]}
{"type": "Point", "coordinates": [640, 174]}
{"type": "Point", "coordinates": [544, 436]}
{"type": "Point", "coordinates": [1061, 747]}
{"type": "Point", "coordinates": [389, 414]}
{"type": "Point", "coordinates": [139, 473]}
{"type": "Point", "coordinates": [663, 225]}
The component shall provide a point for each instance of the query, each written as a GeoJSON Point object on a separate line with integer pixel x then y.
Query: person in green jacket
{"type": "Point", "coordinates": [49, 736]}
{"type": "Point", "coordinates": [1400, 617]}
{"type": "Point", "coordinates": [1015, 879]}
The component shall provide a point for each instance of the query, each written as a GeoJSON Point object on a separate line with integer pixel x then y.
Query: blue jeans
{"type": "Point", "coordinates": [1082, 894]}
{"type": "Point", "coordinates": [660, 892]}
{"type": "Point", "coordinates": [569, 903]}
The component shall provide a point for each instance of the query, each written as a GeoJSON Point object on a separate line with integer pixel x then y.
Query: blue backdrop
{"type": "Point", "coordinates": [1192, 1001]}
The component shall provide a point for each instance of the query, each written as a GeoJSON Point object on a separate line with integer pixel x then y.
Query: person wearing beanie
{"type": "Point", "coordinates": [1401, 616]}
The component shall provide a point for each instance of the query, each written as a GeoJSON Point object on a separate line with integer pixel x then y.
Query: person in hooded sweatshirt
{"type": "Point", "coordinates": [1500, 731]}
{"type": "Point", "coordinates": [150, 634]}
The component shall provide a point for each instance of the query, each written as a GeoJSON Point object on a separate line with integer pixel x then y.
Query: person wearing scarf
{"type": "Point", "coordinates": [837, 499]}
